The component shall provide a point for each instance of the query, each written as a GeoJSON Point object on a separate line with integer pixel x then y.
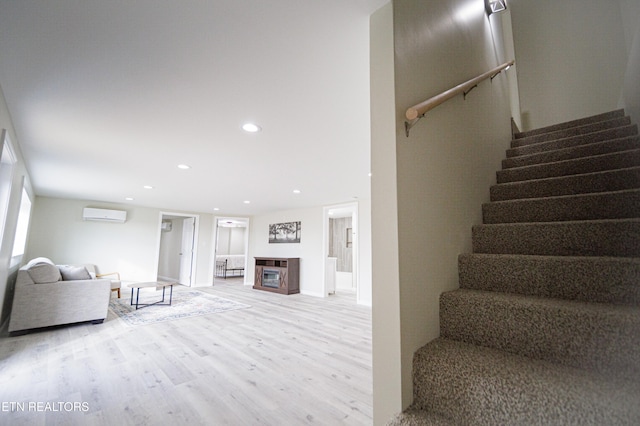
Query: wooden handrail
{"type": "Point", "coordinates": [420, 109]}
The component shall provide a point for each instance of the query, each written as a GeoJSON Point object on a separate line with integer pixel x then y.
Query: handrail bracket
{"type": "Point", "coordinates": [464, 94]}
{"type": "Point", "coordinates": [410, 123]}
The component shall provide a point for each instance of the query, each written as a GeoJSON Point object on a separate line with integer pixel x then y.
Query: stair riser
{"type": "Point", "coordinates": [574, 123]}
{"type": "Point", "coordinates": [571, 132]}
{"type": "Point", "coordinates": [415, 418]}
{"type": "Point", "coordinates": [608, 181]}
{"type": "Point", "coordinates": [585, 279]}
{"type": "Point", "coordinates": [606, 205]}
{"type": "Point", "coordinates": [589, 238]}
{"type": "Point", "coordinates": [618, 160]}
{"type": "Point", "coordinates": [602, 136]}
{"type": "Point", "coordinates": [478, 386]}
{"type": "Point", "coordinates": [593, 337]}
{"type": "Point", "coordinates": [616, 145]}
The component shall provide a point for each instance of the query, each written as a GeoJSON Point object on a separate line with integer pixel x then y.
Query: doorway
{"type": "Point", "coordinates": [231, 249]}
{"type": "Point", "coordinates": [177, 253]}
{"type": "Point", "coordinates": [341, 249]}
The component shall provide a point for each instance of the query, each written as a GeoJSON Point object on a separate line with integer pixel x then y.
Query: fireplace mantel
{"type": "Point", "coordinates": [277, 274]}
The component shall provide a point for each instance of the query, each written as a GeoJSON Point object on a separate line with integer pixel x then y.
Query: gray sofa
{"type": "Point", "coordinates": [48, 294]}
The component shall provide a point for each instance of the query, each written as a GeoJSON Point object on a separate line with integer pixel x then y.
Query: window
{"type": "Point", "coordinates": [7, 161]}
{"type": "Point", "coordinates": [22, 227]}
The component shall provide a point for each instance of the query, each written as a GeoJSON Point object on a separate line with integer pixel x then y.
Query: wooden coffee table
{"type": "Point", "coordinates": [156, 284]}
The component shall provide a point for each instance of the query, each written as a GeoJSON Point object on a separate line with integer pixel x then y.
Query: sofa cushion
{"type": "Point", "coordinates": [44, 272]}
{"type": "Point", "coordinates": [73, 273]}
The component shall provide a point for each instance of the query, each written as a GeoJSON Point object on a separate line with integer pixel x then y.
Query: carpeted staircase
{"type": "Point", "coordinates": [545, 328]}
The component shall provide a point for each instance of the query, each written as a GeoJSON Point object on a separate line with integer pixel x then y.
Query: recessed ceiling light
{"type": "Point", "coordinates": [129, 198]}
{"type": "Point", "coordinates": [370, 174]}
{"type": "Point", "coordinates": [247, 202]}
{"type": "Point", "coordinates": [215, 209]}
{"type": "Point", "coordinates": [183, 166]}
{"type": "Point", "coordinates": [296, 191]}
{"type": "Point", "coordinates": [148, 187]}
{"type": "Point", "coordinates": [251, 128]}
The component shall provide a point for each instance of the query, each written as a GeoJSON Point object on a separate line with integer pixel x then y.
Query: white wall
{"type": "Point", "coordinates": [131, 248]}
{"type": "Point", "coordinates": [236, 241]}
{"type": "Point", "coordinates": [7, 271]}
{"type": "Point", "coordinates": [443, 172]}
{"type": "Point", "coordinates": [231, 240]}
{"type": "Point", "coordinates": [630, 94]}
{"type": "Point", "coordinates": [572, 57]}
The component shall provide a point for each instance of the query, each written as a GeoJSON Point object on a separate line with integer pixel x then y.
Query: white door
{"type": "Point", "coordinates": [186, 254]}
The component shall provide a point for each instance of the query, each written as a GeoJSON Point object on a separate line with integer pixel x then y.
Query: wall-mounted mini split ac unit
{"type": "Point", "coordinates": [104, 215]}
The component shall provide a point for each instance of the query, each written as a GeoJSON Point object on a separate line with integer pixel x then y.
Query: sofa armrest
{"type": "Point", "coordinates": [117, 274]}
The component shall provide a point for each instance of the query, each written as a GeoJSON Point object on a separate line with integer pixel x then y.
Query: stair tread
{"type": "Point", "coordinates": [563, 197]}
{"type": "Point", "coordinates": [602, 237]}
{"type": "Point", "coordinates": [576, 140]}
{"type": "Point", "coordinates": [420, 418]}
{"type": "Point", "coordinates": [477, 385]}
{"type": "Point", "coordinates": [562, 177]}
{"type": "Point", "coordinates": [602, 181]}
{"type": "Point", "coordinates": [598, 279]}
{"type": "Point", "coordinates": [594, 336]}
{"type": "Point", "coordinates": [580, 130]}
{"type": "Point", "coordinates": [574, 166]}
{"type": "Point", "coordinates": [572, 123]}
{"type": "Point", "coordinates": [562, 224]}
{"type": "Point", "coordinates": [551, 302]}
{"type": "Point", "coordinates": [589, 206]}
{"type": "Point", "coordinates": [622, 259]}
{"type": "Point", "coordinates": [575, 151]}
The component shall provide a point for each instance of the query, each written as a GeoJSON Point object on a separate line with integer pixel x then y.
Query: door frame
{"type": "Point", "coordinates": [194, 261]}
{"type": "Point", "coordinates": [216, 221]}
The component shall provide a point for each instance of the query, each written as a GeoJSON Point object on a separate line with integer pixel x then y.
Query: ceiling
{"type": "Point", "coordinates": [107, 97]}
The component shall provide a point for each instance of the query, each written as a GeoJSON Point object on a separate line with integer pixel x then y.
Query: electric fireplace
{"type": "Point", "coordinates": [271, 278]}
{"type": "Point", "coordinates": [278, 275]}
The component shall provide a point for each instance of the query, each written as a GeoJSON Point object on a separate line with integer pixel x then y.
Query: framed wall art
{"type": "Point", "coordinates": [288, 232]}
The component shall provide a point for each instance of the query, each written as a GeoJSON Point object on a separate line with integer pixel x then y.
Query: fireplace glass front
{"type": "Point", "coordinates": [271, 278]}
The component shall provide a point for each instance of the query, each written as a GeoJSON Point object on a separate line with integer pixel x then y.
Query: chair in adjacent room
{"type": "Point", "coordinates": [116, 283]}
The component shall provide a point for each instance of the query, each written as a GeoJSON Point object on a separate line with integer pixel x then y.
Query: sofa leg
{"type": "Point", "coordinates": [98, 321]}
{"type": "Point", "coordinates": [118, 293]}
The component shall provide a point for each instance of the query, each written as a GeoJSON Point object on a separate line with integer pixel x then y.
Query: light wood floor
{"type": "Point", "coordinates": [287, 360]}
